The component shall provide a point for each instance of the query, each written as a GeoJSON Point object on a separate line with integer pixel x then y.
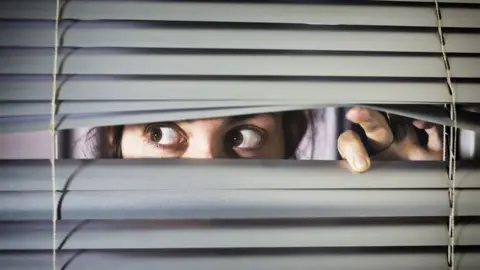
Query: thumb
{"type": "Point", "coordinates": [351, 148]}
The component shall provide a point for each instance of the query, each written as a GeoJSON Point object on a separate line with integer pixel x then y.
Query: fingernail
{"type": "Point", "coordinates": [360, 163]}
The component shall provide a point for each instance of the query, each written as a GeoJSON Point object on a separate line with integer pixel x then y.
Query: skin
{"type": "Point", "coordinates": [254, 136]}
{"type": "Point", "coordinates": [380, 137]}
{"type": "Point", "coordinates": [261, 136]}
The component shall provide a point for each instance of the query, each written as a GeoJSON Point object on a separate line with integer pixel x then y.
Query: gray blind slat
{"type": "Point", "coordinates": [115, 62]}
{"type": "Point", "coordinates": [18, 124]}
{"type": "Point", "coordinates": [120, 35]}
{"type": "Point", "coordinates": [322, 91]}
{"type": "Point", "coordinates": [34, 175]}
{"type": "Point", "coordinates": [151, 37]}
{"type": "Point", "coordinates": [461, 17]}
{"type": "Point", "coordinates": [226, 12]}
{"type": "Point", "coordinates": [146, 36]}
{"type": "Point", "coordinates": [325, 14]}
{"type": "Point", "coordinates": [434, 114]}
{"type": "Point", "coordinates": [158, 235]}
{"type": "Point", "coordinates": [26, 205]}
{"type": "Point", "coordinates": [264, 204]}
{"type": "Point", "coordinates": [152, 260]}
{"type": "Point", "coordinates": [89, 107]}
{"type": "Point", "coordinates": [234, 204]}
{"type": "Point", "coordinates": [437, 115]}
{"type": "Point", "coordinates": [462, 43]}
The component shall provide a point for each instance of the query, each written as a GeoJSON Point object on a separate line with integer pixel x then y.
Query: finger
{"type": "Point", "coordinates": [351, 148]}
{"type": "Point", "coordinates": [422, 124]}
{"type": "Point", "coordinates": [374, 124]}
{"type": "Point", "coordinates": [411, 136]}
{"type": "Point", "coordinates": [435, 142]}
{"type": "Point", "coordinates": [415, 152]}
{"type": "Point", "coordinates": [401, 150]}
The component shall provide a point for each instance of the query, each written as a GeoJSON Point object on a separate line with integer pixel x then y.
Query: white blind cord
{"type": "Point", "coordinates": [452, 144]}
{"type": "Point", "coordinates": [53, 133]}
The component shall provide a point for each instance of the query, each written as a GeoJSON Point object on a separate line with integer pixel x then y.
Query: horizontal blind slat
{"type": "Point", "coordinates": [433, 114]}
{"type": "Point", "coordinates": [126, 260]}
{"type": "Point", "coordinates": [101, 34]}
{"type": "Point", "coordinates": [27, 123]}
{"type": "Point", "coordinates": [223, 39]}
{"type": "Point", "coordinates": [461, 17]}
{"type": "Point", "coordinates": [138, 35]}
{"type": "Point", "coordinates": [237, 204]}
{"type": "Point", "coordinates": [324, 14]}
{"type": "Point", "coordinates": [31, 88]}
{"type": "Point", "coordinates": [92, 107]}
{"type": "Point", "coordinates": [26, 205]}
{"type": "Point", "coordinates": [34, 175]}
{"type": "Point", "coordinates": [155, 235]}
{"type": "Point", "coordinates": [114, 62]}
{"type": "Point", "coordinates": [224, 12]}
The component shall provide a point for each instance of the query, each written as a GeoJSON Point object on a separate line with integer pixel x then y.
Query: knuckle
{"type": "Point", "coordinates": [382, 134]}
{"type": "Point", "coordinates": [367, 112]}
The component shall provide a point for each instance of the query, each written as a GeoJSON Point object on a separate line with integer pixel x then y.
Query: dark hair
{"type": "Point", "coordinates": [107, 140]}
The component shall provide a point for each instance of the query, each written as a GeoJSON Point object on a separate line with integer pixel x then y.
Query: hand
{"type": "Point", "coordinates": [381, 140]}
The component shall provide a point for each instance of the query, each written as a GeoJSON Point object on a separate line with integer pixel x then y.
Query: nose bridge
{"type": "Point", "coordinates": [205, 141]}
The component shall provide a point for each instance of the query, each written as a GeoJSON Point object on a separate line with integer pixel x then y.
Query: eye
{"type": "Point", "coordinates": [165, 135]}
{"type": "Point", "coordinates": [246, 138]}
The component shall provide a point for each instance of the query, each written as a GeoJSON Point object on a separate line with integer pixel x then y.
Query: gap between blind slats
{"type": "Point", "coordinates": [322, 14]}
{"type": "Point", "coordinates": [153, 235]}
{"type": "Point", "coordinates": [155, 259]}
{"type": "Point", "coordinates": [103, 34]}
{"type": "Point", "coordinates": [237, 204]}
{"type": "Point", "coordinates": [127, 62]}
{"type": "Point", "coordinates": [76, 175]}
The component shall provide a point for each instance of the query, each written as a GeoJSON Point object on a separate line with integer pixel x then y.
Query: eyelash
{"type": "Point", "coordinates": [173, 126]}
{"type": "Point", "coordinates": [179, 146]}
{"type": "Point", "coordinates": [262, 132]}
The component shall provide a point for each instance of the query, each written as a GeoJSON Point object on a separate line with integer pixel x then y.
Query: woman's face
{"type": "Point", "coordinates": [246, 136]}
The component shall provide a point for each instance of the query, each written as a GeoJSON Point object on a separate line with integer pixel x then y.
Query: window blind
{"type": "Point", "coordinates": [122, 62]}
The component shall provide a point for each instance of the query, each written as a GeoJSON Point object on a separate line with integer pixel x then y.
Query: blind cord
{"type": "Point", "coordinates": [452, 144]}
{"type": "Point", "coordinates": [52, 128]}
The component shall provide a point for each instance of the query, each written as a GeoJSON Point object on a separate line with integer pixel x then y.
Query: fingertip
{"type": "Point", "coordinates": [422, 124]}
{"type": "Point", "coordinates": [353, 113]}
{"type": "Point", "coordinates": [360, 164]}
{"type": "Point", "coordinates": [352, 150]}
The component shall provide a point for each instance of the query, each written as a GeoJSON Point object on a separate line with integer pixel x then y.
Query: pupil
{"type": "Point", "coordinates": [156, 135]}
{"type": "Point", "coordinates": [237, 139]}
